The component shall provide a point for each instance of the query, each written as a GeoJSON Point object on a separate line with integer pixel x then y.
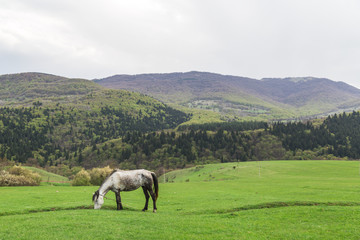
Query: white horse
{"type": "Point", "coordinates": [120, 180]}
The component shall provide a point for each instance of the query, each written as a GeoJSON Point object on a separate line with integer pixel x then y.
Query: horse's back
{"type": "Point", "coordinates": [132, 179]}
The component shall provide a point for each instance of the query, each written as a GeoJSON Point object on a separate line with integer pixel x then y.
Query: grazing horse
{"type": "Point", "coordinates": [120, 180]}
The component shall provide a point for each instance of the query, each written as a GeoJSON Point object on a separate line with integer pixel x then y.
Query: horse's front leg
{"type": "Point", "coordinates": [146, 197]}
{"type": "Point", "coordinates": [118, 200]}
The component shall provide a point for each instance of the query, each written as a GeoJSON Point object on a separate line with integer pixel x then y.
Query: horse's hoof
{"type": "Point", "coordinates": [144, 210]}
{"type": "Point", "coordinates": [154, 211]}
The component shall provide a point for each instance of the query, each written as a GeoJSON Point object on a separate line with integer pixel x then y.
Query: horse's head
{"type": "Point", "coordinates": [98, 200]}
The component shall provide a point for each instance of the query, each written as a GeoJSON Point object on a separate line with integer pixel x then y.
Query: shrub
{"type": "Point", "coordinates": [98, 175]}
{"type": "Point", "coordinates": [5, 163]}
{"type": "Point", "coordinates": [17, 176]}
{"type": "Point", "coordinates": [82, 178]}
{"type": "Point", "coordinates": [17, 170]}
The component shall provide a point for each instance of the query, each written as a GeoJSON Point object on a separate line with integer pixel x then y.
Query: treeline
{"type": "Point", "coordinates": [172, 149]}
{"type": "Point", "coordinates": [226, 126]}
{"type": "Point", "coordinates": [49, 136]}
{"type": "Point", "coordinates": [114, 123]}
{"type": "Point", "coordinates": [111, 136]}
{"type": "Point", "coordinates": [302, 136]}
{"type": "Point", "coordinates": [178, 149]}
{"type": "Point", "coordinates": [194, 145]}
{"type": "Point", "coordinates": [338, 135]}
{"type": "Point", "coordinates": [18, 136]}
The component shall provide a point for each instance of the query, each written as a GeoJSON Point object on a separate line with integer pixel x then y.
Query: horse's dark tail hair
{"type": "Point", "coordinates": [156, 185]}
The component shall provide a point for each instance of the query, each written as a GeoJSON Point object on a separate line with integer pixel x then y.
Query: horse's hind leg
{"type": "Point", "coordinates": [118, 201]}
{"type": "Point", "coordinates": [153, 197]}
{"type": "Point", "coordinates": [146, 197]}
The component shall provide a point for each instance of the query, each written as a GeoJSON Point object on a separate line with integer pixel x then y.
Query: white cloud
{"type": "Point", "coordinates": [254, 38]}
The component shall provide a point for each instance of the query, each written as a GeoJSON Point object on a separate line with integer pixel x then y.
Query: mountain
{"type": "Point", "coordinates": [22, 87]}
{"type": "Point", "coordinates": [300, 92]}
{"type": "Point", "coordinates": [245, 98]}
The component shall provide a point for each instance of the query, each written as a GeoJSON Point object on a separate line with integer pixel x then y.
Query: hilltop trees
{"type": "Point", "coordinates": [173, 149]}
{"type": "Point", "coordinates": [337, 135]}
{"type": "Point", "coordinates": [60, 134]}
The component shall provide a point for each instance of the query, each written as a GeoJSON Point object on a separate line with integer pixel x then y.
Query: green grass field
{"type": "Point", "coordinates": [287, 200]}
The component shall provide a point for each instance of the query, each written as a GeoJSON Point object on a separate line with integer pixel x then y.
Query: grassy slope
{"type": "Point", "coordinates": [230, 206]}
{"type": "Point", "coordinates": [250, 170]}
{"type": "Point", "coordinates": [200, 116]}
{"type": "Point", "coordinates": [48, 176]}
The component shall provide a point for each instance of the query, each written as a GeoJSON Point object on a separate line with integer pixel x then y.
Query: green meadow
{"type": "Point", "coordinates": [248, 200]}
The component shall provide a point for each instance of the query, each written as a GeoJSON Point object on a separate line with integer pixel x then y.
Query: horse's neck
{"type": "Point", "coordinates": [104, 188]}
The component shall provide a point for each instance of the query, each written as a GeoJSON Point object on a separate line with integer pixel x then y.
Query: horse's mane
{"type": "Point", "coordinates": [97, 193]}
{"type": "Point", "coordinates": [114, 171]}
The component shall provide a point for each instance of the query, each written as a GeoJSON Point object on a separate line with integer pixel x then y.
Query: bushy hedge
{"type": "Point", "coordinates": [18, 176]}
{"type": "Point", "coordinates": [82, 178]}
{"type": "Point", "coordinates": [4, 163]}
{"type": "Point", "coordinates": [98, 175]}
{"type": "Point", "coordinates": [94, 176]}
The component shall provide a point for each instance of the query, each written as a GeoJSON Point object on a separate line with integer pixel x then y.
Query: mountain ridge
{"type": "Point", "coordinates": [32, 85]}
{"type": "Point", "coordinates": [290, 97]}
{"type": "Point", "coordinates": [230, 97]}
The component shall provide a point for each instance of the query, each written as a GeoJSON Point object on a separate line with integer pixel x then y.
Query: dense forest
{"type": "Point", "coordinates": [225, 126]}
{"type": "Point", "coordinates": [338, 135]}
{"type": "Point", "coordinates": [335, 138]}
{"type": "Point", "coordinates": [44, 136]}
{"type": "Point", "coordinates": [63, 135]}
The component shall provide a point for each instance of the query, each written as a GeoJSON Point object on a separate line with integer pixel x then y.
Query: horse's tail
{"type": "Point", "coordinates": [156, 185]}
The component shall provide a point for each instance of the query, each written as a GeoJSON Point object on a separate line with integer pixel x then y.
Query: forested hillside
{"type": "Point", "coordinates": [58, 135]}
{"type": "Point", "coordinates": [23, 88]}
{"type": "Point", "coordinates": [44, 127]}
{"type": "Point", "coordinates": [336, 137]}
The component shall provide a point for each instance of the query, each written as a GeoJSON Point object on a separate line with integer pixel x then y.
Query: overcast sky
{"type": "Point", "coordinates": [251, 38]}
